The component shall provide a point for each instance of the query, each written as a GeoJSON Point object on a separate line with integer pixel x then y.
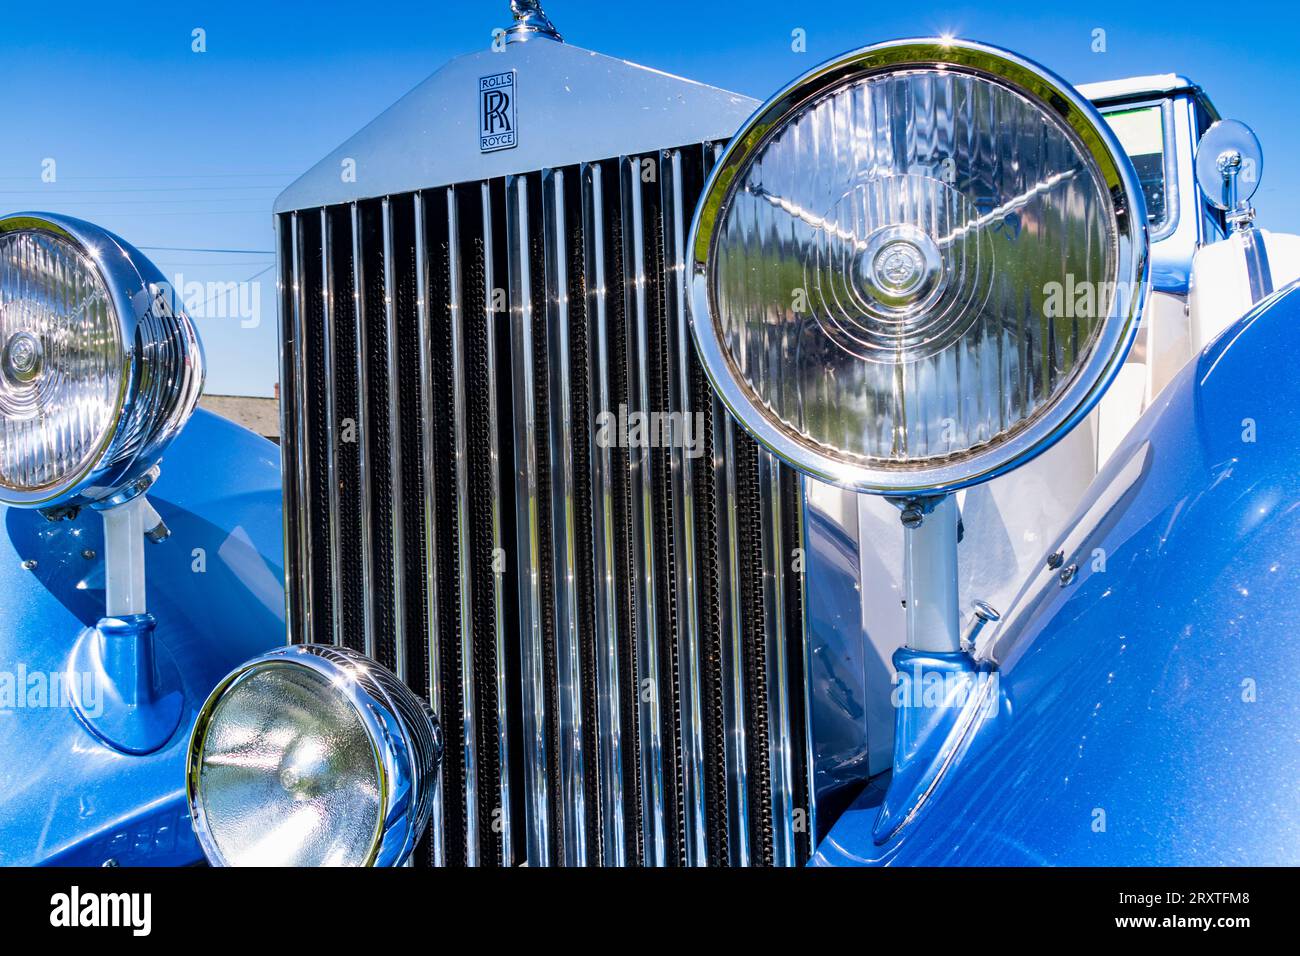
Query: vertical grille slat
{"type": "Point", "coordinates": [350, 596]}
{"type": "Point", "coordinates": [425, 309]}
{"type": "Point", "coordinates": [314, 409]}
{"type": "Point", "coordinates": [676, 166]}
{"type": "Point", "coordinates": [530, 535]}
{"type": "Point", "coordinates": [567, 560]}
{"type": "Point", "coordinates": [447, 607]}
{"type": "Point", "coordinates": [608, 519]}
{"type": "Point", "coordinates": [393, 491]}
{"type": "Point", "coordinates": [365, 464]}
{"type": "Point", "coordinates": [464, 569]}
{"type": "Point", "coordinates": [478, 275]}
{"type": "Point", "coordinates": [649, 680]}
{"type": "Point", "coordinates": [732, 656]}
{"type": "Point", "coordinates": [780, 744]}
{"type": "Point", "coordinates": [303, 443]}
{"type": "Point", "coordinates": [525, 497]}
{"type": "Point", "coordinates": [332, 504]}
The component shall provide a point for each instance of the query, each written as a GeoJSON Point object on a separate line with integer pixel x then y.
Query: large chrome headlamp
{"type": "Point", "coordinates": [99, 365]}
{"type": "Point", "coordinates": [312, 756]}
{"type": "Point", "coordinates": [918, 266]}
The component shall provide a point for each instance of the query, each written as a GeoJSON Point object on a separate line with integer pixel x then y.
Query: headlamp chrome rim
{"type": "Point", "coordinates": [1090, 380]}
{"type": "Point", "coordinates": [132, 444]}
{"type": "Point", "coordinates": [375, 696]}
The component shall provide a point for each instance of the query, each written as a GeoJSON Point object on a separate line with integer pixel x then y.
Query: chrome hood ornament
{"type": "Point", "coordinates": [530, 21]}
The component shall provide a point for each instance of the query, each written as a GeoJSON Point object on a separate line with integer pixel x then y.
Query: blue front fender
{"type": "Point", "coordinates": [1149, 707]}
{"type": "Point", "coordinates": [216, 587]}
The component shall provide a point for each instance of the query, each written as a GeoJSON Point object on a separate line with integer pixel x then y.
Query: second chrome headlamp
{"type": "Point", "coordinates": [100, 366]}
{"type": "Point", "coordinates": [918, 266]}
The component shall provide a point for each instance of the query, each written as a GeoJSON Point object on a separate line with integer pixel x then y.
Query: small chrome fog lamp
{"type": "Point", "coordinates": [312, 756]}
{"type": "Point", "coordinates": [100, 367]}
{"type": "Point", "coordinates": [918, 266]}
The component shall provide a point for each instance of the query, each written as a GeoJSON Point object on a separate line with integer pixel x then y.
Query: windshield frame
{"type": "Point", "coordinates": [1169, 149]}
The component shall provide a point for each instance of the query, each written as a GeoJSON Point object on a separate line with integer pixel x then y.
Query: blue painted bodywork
{"type": "Point", "coordinates": [216, 588]}
{"type": "Point", "coordinates": [1148, 709]}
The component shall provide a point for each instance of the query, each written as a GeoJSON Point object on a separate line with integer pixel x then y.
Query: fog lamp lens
{"type": "Point", "coordinates": [312, 756]}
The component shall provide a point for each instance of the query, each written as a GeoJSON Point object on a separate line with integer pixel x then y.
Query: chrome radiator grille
{"type": "Point", "coordinates": [611, 634]}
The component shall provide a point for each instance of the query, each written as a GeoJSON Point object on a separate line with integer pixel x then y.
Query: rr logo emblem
{"type": "Point", "coordinates": [496, 112]}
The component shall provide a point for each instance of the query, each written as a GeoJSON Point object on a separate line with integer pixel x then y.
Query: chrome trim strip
{"type": "Point", "coordinates": [1257, 268]}
{"type": "Point", "coordinates": [498, 600]}
{"type": "Point", "coordinates": [363, 431]}
{"type": "Point", "coordinates": [613, 850]}
{"type": "Point", "coordinates": [437, 838]}
{"type": "Point", "coordinates": [536, 810]}
{"type": "Point", "coordinates": [778, 697]}
{"type": "Point", "coordinates": [677, 357]}
{"type": "Point", "coordinates": [331, 420]}
{"type": "Point", "coordinates": [463, 537]}
{"type": "Point", "coordinates": [733, 638]}
{"type": "Point", "coordinates": [568, 640]}
{"type": "Point", "coordinates": [398, 531]}
{"type": "Point", "coordinates": [642, 521]}
{"type": "Point", "coordinates": [288, 396]}
{"type": "Point", "coordinates": [303, 483]}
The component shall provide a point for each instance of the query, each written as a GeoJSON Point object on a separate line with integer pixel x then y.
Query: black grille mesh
{"type": "Point", "coordinates": [463, 636]}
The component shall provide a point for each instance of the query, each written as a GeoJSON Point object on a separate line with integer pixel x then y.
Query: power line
{"type": "Point", "coordinates": [166, 176]}
{"type": "Point", "coordinates": [218, 295]}
{"type": "Point", "coordinates": [54, 189]}
{"type": "Point", "coordinates": [156, 202]}
{"type": "Point", "coordinates": [242, 252]}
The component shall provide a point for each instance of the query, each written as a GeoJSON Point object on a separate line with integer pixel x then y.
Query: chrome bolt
{"type": "Point", "coordinates": [912, 516]}
{"type": "Point", "coordinates": [1055, 560]}
{"type": "Point", "coordinates": [29, 565]}
{"type": "Point", "coordinates": [88, 554]}
{"type": "Point", "coordinates": [1068, 574]}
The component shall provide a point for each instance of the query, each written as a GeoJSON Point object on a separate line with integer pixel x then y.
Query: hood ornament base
{"type": "Point", "coordinates": [530, 22]}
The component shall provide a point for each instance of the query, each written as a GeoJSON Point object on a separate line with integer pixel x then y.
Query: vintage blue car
{"type": "Point", "coordinates": [905, 470]}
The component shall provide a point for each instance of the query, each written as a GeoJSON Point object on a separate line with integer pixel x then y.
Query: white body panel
{"type": "Point", "coordinates": [1221, 291]}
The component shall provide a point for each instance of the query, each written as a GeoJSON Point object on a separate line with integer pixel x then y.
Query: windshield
{"type": "Point", "coordinates": [1141, 132]}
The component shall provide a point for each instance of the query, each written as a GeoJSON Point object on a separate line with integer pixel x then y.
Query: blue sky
{"type": "Point", "coordinates": [178, 150]}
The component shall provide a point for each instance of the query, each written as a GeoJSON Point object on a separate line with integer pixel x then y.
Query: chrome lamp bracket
{"type": "Point", "coordinates": [125, 687]}
{"type": "Point", "coordinates": [940, 687]}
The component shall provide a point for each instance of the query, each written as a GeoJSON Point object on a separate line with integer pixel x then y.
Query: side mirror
{"type": "Point", "coordinates": [1229, 163]}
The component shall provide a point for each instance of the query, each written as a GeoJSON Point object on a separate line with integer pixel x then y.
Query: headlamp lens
{"type": "Point", "coordinates": [61, 361]}
{"type": "Point", "coordinates": [914, 265]}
